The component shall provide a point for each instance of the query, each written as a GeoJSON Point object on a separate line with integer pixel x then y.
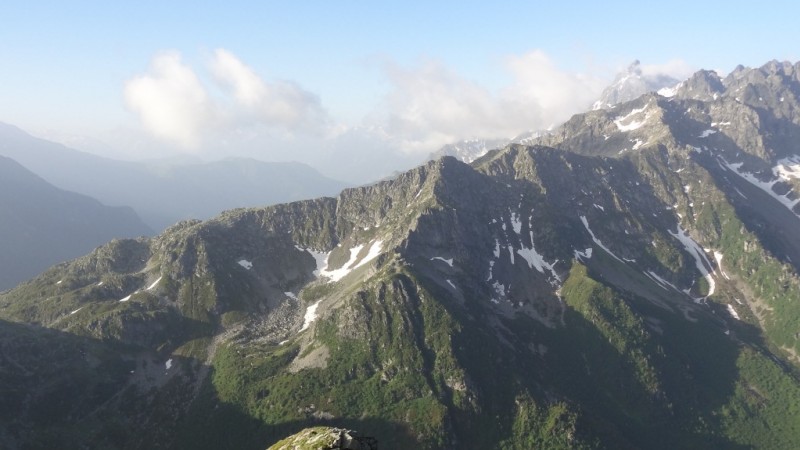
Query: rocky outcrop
{"type": "Point", "coordinates": [326, 438]}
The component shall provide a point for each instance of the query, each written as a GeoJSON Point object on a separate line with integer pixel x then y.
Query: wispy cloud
{"type": "Point", "coordinates": [430, 105]}
{"type": "Point", "coordinates": [279, 103]}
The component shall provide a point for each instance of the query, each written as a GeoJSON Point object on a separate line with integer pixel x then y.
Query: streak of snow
{"type": "Point", "coordinates": [496, 248]}
{"type": "Point", "coordinates": [245, 263]}
{"type": "Point", "coordinates": [291, 295]}
{"type": "Point", "coordinates": [599, 207]}
{"type": "Point", "coordinates": [597, 241]}
{"type": "Point", "coordinates": [516, 223]}
{"type": "Point", "coordinates": [511, 254]}
{"type": "Point", "coordinates": [154, 284]}
{"type": "Point", "coordinates": [660, 280]}
{"type": "Point", "coordinates": [168, 364]}
{"type": "Point", "coordinates": [418, 193]}
{"type": "Point", "coordinates": [733, 312]}
{"type": "Point", "coordinates": [100, 283]}
{"type": "Point", "coordinates": [718, 256]}
{"type": "Point", "coordinates": [59, 281]}
{"type": "Point", "coordinates": [126, 298]}
{"type": "Point", "coordinates": [451, 284]}
{"type": "Point", "coordinates": [700, 259]}
{"type": "Point", "coordinates": [73, 312]}
{"type": "Point", "coordinates": [310, 316]}
{"type": "Point", "coordinates": [449, 262]}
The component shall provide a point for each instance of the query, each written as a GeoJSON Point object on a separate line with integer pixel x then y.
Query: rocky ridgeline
{"type": "Point", "coordinates": [622, 267]}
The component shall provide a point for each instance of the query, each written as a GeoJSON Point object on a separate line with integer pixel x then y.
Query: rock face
{"type": "Point", "coordinates": [325, 438]}
{"type": "Point", "coordinates": [628, 281]}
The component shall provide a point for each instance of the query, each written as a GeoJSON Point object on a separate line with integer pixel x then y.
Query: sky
{"type": "Point", "coordinates": [356, 89]}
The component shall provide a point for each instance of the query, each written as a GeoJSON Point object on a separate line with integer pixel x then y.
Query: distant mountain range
{"type": "Point", "coordinates": [41, 225]}
{"type": "Point", "coordinates": [163, 192]}
{"type": "Point", "coordinates": [629, 280]}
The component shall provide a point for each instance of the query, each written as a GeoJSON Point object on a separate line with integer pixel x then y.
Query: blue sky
{"type": "Point", "coordinates": [67, 65]}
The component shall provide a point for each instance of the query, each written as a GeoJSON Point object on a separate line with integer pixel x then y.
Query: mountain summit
{"type": "Point", "coordinates": [628, 281]}
{"type": "Point", "coordinates": [632, 83]}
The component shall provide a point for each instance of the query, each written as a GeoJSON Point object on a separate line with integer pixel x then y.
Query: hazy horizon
{"type": "Point", "coordinates": [355, 91]}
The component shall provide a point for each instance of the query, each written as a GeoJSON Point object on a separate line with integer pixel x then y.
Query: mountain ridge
{"type": "Point", "coordinates": [43, 225]}
{"type": "Point", "coordinates": [165, 192]}
{"type": "Point", "coordinates": [574, 293]}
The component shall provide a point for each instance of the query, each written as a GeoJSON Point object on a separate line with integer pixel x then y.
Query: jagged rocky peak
{"type": "Point", "coordinates": [704, 85]}
{"type": "Point", "coordinates": [630, 84]}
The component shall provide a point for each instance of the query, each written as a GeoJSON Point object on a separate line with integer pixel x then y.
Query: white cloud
{"type": "Point", "coordinates": [170, 100]}
{"type": "Point", "coordinates": [281, 103]}
{"type": "Point", "coordinates": [174, 105]}
{"type": "Point", "coordinates": [430, 106]}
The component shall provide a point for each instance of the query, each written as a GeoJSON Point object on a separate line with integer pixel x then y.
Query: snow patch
{"type": "Point", "coordinates": [599, 207]}
{"type": "Point", "coordinates": [586, 254]}
{"type": "Point", "coordinates": [154, 284]}
{"type": "Point", "coordinates": [320, 258]}
{"type": "Point", "coordinates": [788, 168]}
{"type": "Point", "coordinates": [632, 125]}
{"type": "Point", "coordinates": [245, 263]}
{"type": "Point", "coordinates": [707, 133]}
{"type": "Point", "coordinates": [597, 241]}
{"type": "Point", "coordinates": [765, 186]}
{"type": "Point", "coordinates": [100, 283]}
{"type": "Point", "coordinates": [353, 263]}
{"type": "Point", "coordinates": [669, 92]}
{"type": "Point", "coordinates": [291, 295]}
{"type": "Point", "coordinates": [59, 281]}
{"type": "Point", "coordinates": [516, 223]}
{"type": "Point", "coordinates": [451, 284]}
{"type": "Point", "coordinates": [168, 364]}
{"type": "Point", "coordinates": [126, 298]}
{"type": "Point", "coordinates": [310, 316]}
{"type": "Point", "coordinates": [733, 312]}
{"type": "Point", "coordinates": [73, 312]}
{"type": "Point", "coordinates": [700, 259]}
{"type": "Point", "coordinates": [449, 262]}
